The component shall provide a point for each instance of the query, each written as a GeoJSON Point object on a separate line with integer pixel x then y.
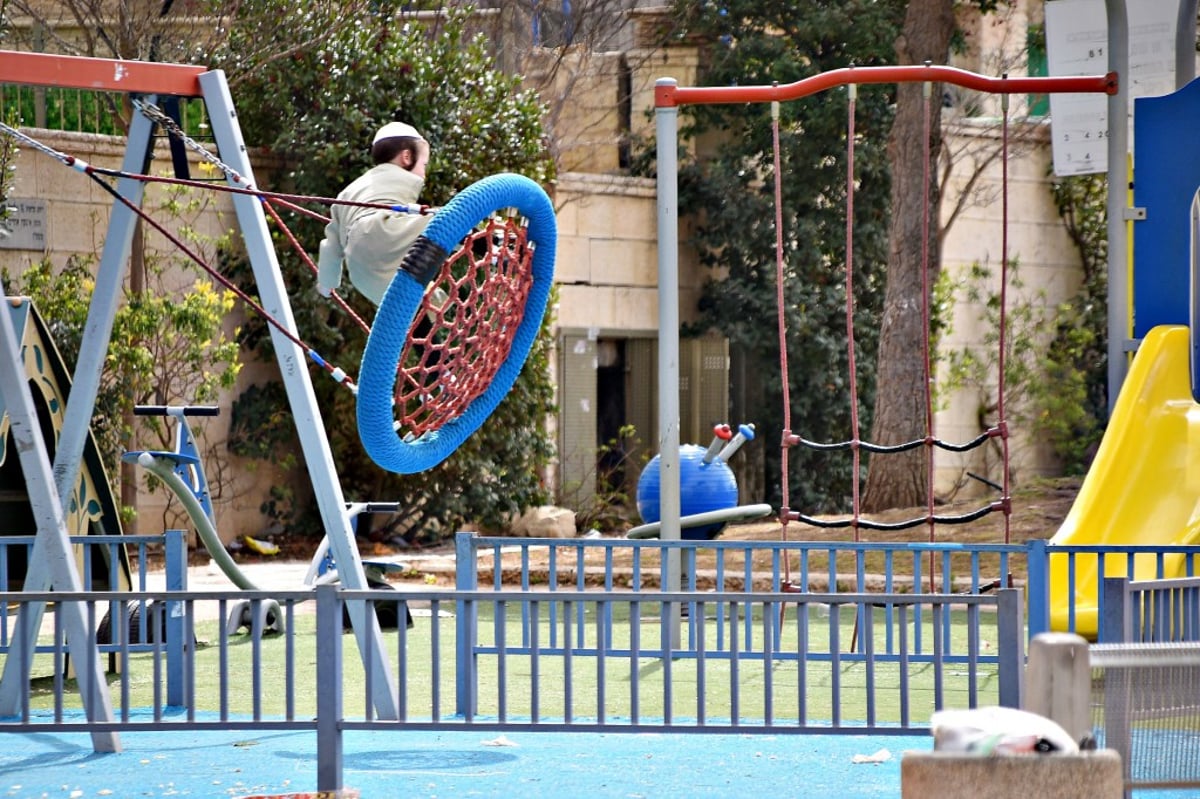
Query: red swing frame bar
{"type": "Point", "coordinates": [671, 96]}
{"type": "Point", "coordinates": [100, 74]}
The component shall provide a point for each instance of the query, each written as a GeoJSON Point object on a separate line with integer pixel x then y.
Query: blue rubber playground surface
{"type": "Point", "coordinates": [394, 765]}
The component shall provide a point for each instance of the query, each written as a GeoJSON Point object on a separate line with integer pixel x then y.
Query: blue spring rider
{"type": "Point", "coordinates": [708, 491]}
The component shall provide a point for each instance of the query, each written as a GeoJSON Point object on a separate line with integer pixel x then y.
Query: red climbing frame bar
{"type": "Point", "coordinates": [102, 74]}
{"type": "Point", "coordinates": [667, 96]}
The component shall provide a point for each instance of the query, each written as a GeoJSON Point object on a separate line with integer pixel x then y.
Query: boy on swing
{"type": "Point", "coordinates": [372, 241]}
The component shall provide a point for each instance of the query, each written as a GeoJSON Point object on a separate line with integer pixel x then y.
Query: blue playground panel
{"type": "Point", "coordinates": [1166, 172]}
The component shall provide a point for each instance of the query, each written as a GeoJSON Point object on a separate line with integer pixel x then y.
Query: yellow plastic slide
{"type": "Point", "coordinates": [1143, 487]}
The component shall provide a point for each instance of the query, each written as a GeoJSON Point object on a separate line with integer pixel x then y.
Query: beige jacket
{"type": "Point", "coordinates": [371, 241]}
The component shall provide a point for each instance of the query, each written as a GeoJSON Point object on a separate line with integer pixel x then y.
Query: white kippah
{"type": "Point", "coordinates": [394, 129]}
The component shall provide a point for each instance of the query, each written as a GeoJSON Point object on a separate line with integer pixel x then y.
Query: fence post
{"type": "Point", "coordinates": [466, 570]}
{"type": "Point", "coordinates": [1010, 648]}
{"type": "Point", "coordinates": [1060, 682]}
{"type": "Point", "coordinates": [175, 564]}
{"type": "Point", "coordinates": [1037, 586]}
{"type": "Point", "coordinates": [1116, 626]}
{"type": "Point", "coordinates": [329, 690]}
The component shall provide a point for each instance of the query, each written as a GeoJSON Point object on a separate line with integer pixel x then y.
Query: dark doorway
{"type": "Point", "coordinates": [610, 415]}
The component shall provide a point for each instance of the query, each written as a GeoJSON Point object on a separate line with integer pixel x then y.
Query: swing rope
{"type": "Point", "coordinates": [455, 326]}
{"type": "Point", "coordinates": [1001, 378]}
{"type": "Point", "coordinates": [851, 357]}
{"type": "Point", "coordinates": [157, 115]}
{"type": "Point", "coordinates": [781, 321]}
{"type": "Point", "coordinates": [79, 165]}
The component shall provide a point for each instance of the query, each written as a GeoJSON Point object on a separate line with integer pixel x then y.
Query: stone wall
{"type": "Point", "coordinates": [1048, 271]}
{"type": "Point", "coordinates": [949, 775]}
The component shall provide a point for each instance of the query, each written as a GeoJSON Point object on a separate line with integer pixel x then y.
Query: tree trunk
{"type": "Point", "coordinates": [899, 480]}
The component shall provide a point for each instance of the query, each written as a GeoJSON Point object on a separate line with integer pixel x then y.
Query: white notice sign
{"type": "Point", "coordinates": [1077, 44]}
{"type": "Point", "coordinates": [24, 228]}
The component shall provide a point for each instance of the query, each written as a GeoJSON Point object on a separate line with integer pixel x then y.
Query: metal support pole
{"type": "Point", "coordinates": [293, 367]}
{"type": "Point", "coordinates": [466, 578]}
{"type": "Point", "coordinates": [1116, 622]}
{"type": "Point", "coordinates": [1185, 43]}
{"type": "Point", "coordinates": [1011, 646]}
{"type": "Point", "coordinates": [1119, 323]}
{"type": "Point", "coordinates": [55, 546]}
{"type": "Point", "coordinates": [329, 691]}
{"type": "Point", "coordinates": [1037, 584]}
{"type": "Point", "coordinates": [667, 130]}
{"type": "Point", "coordinates": [175, 558]}
{"type": "Point", "coordinates": [81, 404]}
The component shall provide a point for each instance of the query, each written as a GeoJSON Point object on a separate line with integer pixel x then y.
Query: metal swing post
{"type": "Point", "coordinates": [44, 567]}
{"type": "Point", "coordinates": [667, 124]}
{"type": "Point", "coordinates": [52, 543]}
{"type": "Point", "coordinates": [52, 553]}
{"type": "Point", "coordinates": [294, 371]}
{"type": "Point", "coordinates": [51, 486]}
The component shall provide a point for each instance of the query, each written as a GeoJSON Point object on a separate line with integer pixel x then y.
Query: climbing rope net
{"type": "Point", "coordinates": [455, 327]}
{"type": "Point", "coordinates": [669, 96]}
{"type": "Point", "coordinates": [480, 292]}
{"type": "Point", "coordinates": [929, 441]}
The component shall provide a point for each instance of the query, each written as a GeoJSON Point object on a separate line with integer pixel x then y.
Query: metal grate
{"type": "Point", "coordinates": [1146, 705]}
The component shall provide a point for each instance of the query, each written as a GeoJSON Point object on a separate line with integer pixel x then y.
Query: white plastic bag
{"type": "Point", "coordinates": [998, 730]}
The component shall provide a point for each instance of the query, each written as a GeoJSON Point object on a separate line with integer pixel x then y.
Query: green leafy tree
{"type": "Point", "coordinates": [159, 30]}
{"type": "Point", "coordinates": [1074, 397]}
{"type": "Point", "coordinates": [731, 194]}
{"type": "Point", "coordinates": [899, 479]}
{"type": "Point", "coordinates": [1055, 357]}
{"type": "Point", "coordinates": [1028, 324]}
{"type": "Point", "coordinates": [8, 147]}
{"type": "Point", "coordinates": [316, 109]}
{"type": "Point", "coordinates": [167, 347]}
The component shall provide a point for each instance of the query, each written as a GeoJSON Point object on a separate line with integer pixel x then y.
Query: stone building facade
{"type": "Point", "coordinates": [607, 314]}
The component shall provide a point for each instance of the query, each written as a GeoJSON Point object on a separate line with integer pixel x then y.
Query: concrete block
{"type": "Point", "coordinates": [953, 775]}
{"type": "Point", "coordinates": [546, 522]}
{"type": "Point", "coordinates": [1058, 682]}
{"type": "Point", "coordinates": [621, 262]}
{"type": "Point", "coordinates": [570, 262]}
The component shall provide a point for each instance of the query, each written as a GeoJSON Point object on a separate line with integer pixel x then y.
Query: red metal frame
{"type": "Point", "coordinates": [671, 96]}
{"type": "Point", "coordinates": [103, 74]}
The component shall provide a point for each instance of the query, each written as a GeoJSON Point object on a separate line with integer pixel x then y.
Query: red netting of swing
{"type": "Point", "coordinates": [477, 298]}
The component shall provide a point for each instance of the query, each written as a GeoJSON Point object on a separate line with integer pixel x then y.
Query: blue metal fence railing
{"type": "Point", "coordinates": [637, 680]}
{"type": "Point", "coordinates": [910, 616]}
{"type": "Point", "coordinates": [1066, 583]}
{"type": "Point", "coordinates": [104, 562]}
{"type": "Point", "coordinates": [1151, 611]}
{"type": "Point", "coordinates": [807, 677]}
{"type": "Point", "coordinates": [545, 634]}
{"type": "Point", "coordinates": [1063, 584]}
